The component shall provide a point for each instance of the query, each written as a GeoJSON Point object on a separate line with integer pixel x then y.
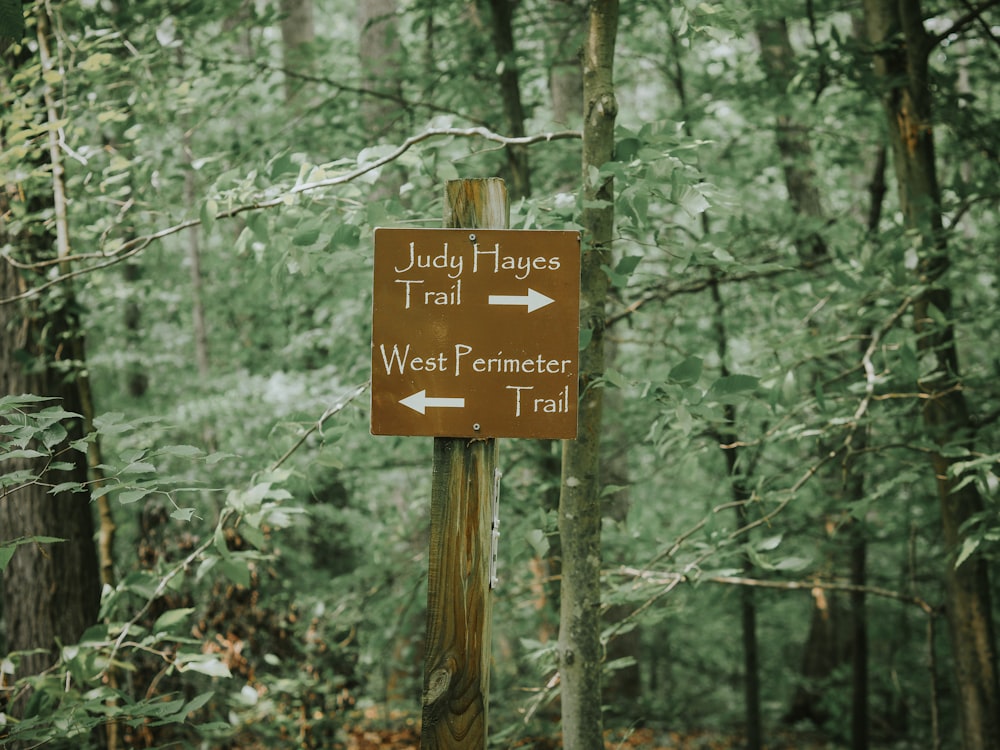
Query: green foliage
{"type": "Point", "coordinates": [270, 556]}
{"type": "Point", "coordinates": [11, 20]}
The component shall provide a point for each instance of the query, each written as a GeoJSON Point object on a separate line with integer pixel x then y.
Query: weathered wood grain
{"type": "Point", "coordinates": [459, 607]}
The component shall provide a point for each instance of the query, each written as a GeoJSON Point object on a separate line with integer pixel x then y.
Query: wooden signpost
{"type": "Point", "coordinates": [474, 337]}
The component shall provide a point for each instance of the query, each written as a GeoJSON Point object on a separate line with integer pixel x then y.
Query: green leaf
{"type": "Point", "coordinates": [209, 209]}
{"type": "Point", "coordinates": [793, 564]}
{"type": "Point", "coordinates": [306, 236]}
{"type": "Point", "coordinates": [53, 435]}
{"type": "Point", "coordinates": [969, 545]}
{"type": "Point", "coordinates": [7, 549]}
{"type": "Point", "coordinates": [219, 541]}
{"type": "Point", "coordinates": [6, 553]}
{"type": "Point", "coordinates": [687, 372]}
{"type": "Point", "coordinates": [180, 451]}
{"type": "Point", "coordinates": [183, 514]}
{"type": "Point", "coordinates": [190, 707]}
{"type": "Point", "coordinates": [236, 571]}
{"type": "Point", "coordinates": [615, 378]}
{"type": "Point", "coordinates": [26, 398]}
{"type": "Point", "coordinates": [619, 276]}
{"type": "Point", "coordinates": [170, 618]}
{"type": "Point", "coordinates": [732, 385]}
{"type": "Point", "coordinates": [210, 666]}
{"type": "Point", "coordinates": [769, 543]}
{"type": "Point", "coordinates": [25, 453]}
{"type": "Point", "coordinates": [538, 541]}
{"type": "Point", "coordinates": [130, 496]}
{"type": "Point", "coordinates": [139, 467]}
{"type": "Point", "coordinates": [66, 487]}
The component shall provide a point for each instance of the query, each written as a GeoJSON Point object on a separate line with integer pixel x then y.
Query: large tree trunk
{"type": "Point", "coordinates": [51, 592]}
{"type": "Point", "coordinates": [902, 46]}
{"type": "Point", "coordinates": [579, 503]}
{"type": "Point", "coordinates": [825, 648]}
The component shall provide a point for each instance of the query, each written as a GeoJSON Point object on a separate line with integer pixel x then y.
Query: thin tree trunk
{"type": "Point", "coordinates": [738, 477]}
{"type": "Point", "coordinates": [824, 650]}
{"type": "Point", "coordinates": [518, 170]}
{"type": "Point", "coordinates": [622, 687]}
{"type": "Point", "coordinates": [579, 503]}
{"type": "Point", "coordinates": [740, 495]}
{"type": "Point", "coordinates": [778, 60]}
{"type": "Point", "coordinates": [565, 44]}
{"type": "Point", "coordinates": [298, 31]}
{"type": "Point", "coordinates": [381, 56]}
{"type": "Point", "coordinates": [859, 633]}
{"type": "Point", "coordinates": [198, 324]}
{"type": "Point", "coordinates": [901, 49]}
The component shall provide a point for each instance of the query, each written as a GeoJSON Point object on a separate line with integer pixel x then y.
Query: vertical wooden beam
{"type": "Point", "coordinates": [459, 605]}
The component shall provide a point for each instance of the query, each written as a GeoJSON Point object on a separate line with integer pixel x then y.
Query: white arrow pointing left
{"type": "Point", "coordinates": [532, 300]}
{"type": "Point", "coordinates": [420, 402]}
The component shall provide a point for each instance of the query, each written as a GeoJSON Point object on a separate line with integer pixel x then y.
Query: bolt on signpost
{"type": "Point", "coordinates": [475, 333]}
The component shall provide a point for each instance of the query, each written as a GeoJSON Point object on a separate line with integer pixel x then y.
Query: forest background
{"type": "Point", "coordinates": [202, 544]}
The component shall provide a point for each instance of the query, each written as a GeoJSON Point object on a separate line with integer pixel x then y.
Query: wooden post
{"type": "Point", "coordinates": [459, 606]}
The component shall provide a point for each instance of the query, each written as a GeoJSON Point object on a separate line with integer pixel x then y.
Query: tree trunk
{"type": "Point", "coordinates": [778, 60]}
{"type": "Point", "coordinates": [623, 685]}
{"type": "Point", "coordinates": [902, 46]}
{"type": "Point", "coordinates": [518, 172]}
{"type": "Point", "coordinates": [579, 503]}
{"type": "Point", "coordinates": [740, 494]}
{"type": "Point", "coordinates": [51, 592]}
{"type": "Point", "coordinates": [381, 57]}
{"type": "Point", "coordinates": [297, 33]}
{"type": "Point", "coordinates": [198, 320]}
{"type": "Point", "coordinates": [565, 81]}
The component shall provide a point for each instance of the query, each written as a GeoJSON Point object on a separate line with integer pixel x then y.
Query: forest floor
{"type": "Point", "coordinates": [407, 737]}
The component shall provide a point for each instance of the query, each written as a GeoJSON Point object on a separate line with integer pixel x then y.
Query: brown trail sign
{"type": "Point", "coordinates": [474, 335]}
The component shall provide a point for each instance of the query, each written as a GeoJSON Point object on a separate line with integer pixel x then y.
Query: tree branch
{"type": "Point", "coordinates": [974, 15]}
{"type": "Point", "coordinates": [672, 579]}
{"type": "Point", "coordinates": [138, 244]}
{"type": "Point", "coordinates": [407, 104]}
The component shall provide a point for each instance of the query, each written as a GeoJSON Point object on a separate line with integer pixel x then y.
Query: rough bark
{"type": "Point", "coordinates": [579, 504]}
{"type": "Point", "coordinates": [50, 592]}
{"type": "Point", "coordinates": [901, 47]}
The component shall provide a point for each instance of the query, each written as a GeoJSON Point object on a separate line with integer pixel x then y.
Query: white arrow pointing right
{"type": "Point", "coordinates": [420, 401]}
{"type": "Point", "coordinates": [532, 300]}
